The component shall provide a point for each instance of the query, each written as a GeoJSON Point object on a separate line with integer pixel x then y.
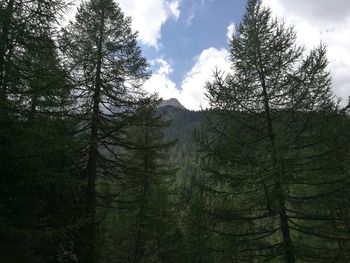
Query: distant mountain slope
{"type": "Point", "coordinates": [183, 155]}
{"type": "Point", "coordinates": [172, 102]}
{"type": "Point", "coordinates": [183, 122]}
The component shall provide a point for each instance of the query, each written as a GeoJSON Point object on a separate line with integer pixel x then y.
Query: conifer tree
{"type": "Point", "coordinates": [37, 166]}
{"type": "Point", "coordinates": [199, 239]}
{"type": "Point", "coordinates": [275, 148]}
{"type": "Point", "coordinates": [24, 26]}
{"type": "Point", "coordinates": [145, 199]}
{"type": "Point", "coordinates": [108, 70]}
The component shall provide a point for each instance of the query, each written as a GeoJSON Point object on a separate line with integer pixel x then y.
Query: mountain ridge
{"type": "Point", "coordinates": [172, 102]}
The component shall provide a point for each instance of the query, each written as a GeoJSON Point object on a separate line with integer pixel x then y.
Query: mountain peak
{"type": "Point", "coordinates": [172, 102]}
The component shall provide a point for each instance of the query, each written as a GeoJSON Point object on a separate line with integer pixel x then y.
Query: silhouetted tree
{"type": "Point", "coordinates": [108, 69]}
{"type": "Point", "coordinates": [274, 146]}
{"type": "Point", "coordinates": [40, 182]}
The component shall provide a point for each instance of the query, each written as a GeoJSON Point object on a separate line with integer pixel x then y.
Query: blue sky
{"type": "Point", "coordinates": [201, 25]}
{"type": "Point", "coordinates": [185, 40]}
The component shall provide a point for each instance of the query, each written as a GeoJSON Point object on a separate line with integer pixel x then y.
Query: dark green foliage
{"type": "Point", "coordinates": [107, 69]}
{"type": "Point", "coordinates": [90, 170]}
{"type": "Point", "coordinates": [143, 198]}
{"type": "Point", "coordinates": [41, 187]}
{"type": "Point", "coordinates": [40, 192]}
{"type": "Point", "coordinates": [275, 148]}
{"type": "Point", "coordinates": [199, 238]}
{"type": "Point", "coordinates": [26, 30]}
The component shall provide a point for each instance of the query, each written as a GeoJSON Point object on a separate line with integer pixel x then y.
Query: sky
{"type": "Point", "coordinates": [185, 40]}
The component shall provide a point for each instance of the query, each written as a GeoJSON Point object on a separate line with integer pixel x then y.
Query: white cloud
{"type": "Point", "coordinates": [231, 29]}
{"type": "Point", "coordinates": [196, 5]}
{"type": "Point", "coordinates": [160, 80]}
{"type": "Point", "coordinates": [192, 91]}
{"type": "Point", "coordinates": [193, 86]}
{"type": "Point", "coordinates": [173, 8]}
{"type": "Point", "coordinates": [321, 10]}
{"type": "Point", "coordinates": [189, 19]}
{"type": "Point", "coordinates": [326, 21]}
{"type": "Point", "coordinates": [148, 16]}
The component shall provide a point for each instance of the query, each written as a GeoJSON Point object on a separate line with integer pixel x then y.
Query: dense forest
{"type": "Point", "coordinates": [94, 169]}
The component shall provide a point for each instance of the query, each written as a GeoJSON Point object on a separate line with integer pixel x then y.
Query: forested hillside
{"type": "Point", "coordinates": [94, 169]}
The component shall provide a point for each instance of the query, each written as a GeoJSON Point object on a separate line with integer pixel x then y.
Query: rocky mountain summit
{"type": "Point", "coordinates": [172, 102]}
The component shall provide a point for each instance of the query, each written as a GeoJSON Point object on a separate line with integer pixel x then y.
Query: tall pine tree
{"type": "Point", "coordinates": [108, 70]}
{"type": "Point", "coordinates": [37, 167]}
{"type": "Point", "coordinates": [275, 147]}
{"type": "Point", "coordinates": [144, 196]}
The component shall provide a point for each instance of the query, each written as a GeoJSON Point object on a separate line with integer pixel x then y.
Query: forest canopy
{"type": "Point", "coordinates": [95, 169]}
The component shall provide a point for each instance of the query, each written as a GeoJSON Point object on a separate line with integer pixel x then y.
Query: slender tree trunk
{"type": "Point", "coordinates": [158, 251]}
{"type": "Point", "coordinates": [138, 250]}
{"type": "Point", "coordinates": [90, 253]}
{"type": "Point", "coordinates": [4, 48]}
{"type": "Point", "coordinates": [138, 245]}
{"type": "Point", "coordinates": [33, 106]}
{"type": "Point", "coordinates": [5, 54]}
{"type": "Point", "coordinates": [288, 246]}
{"type": "Point", "coordinates": [199, 244]}
{"type": "Point", "coordinates": [280, 173]}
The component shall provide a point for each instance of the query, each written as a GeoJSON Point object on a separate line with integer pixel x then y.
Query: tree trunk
{"type": "Point", "coordinates": [4, 47]}
{"type": "Point", "coordinates": [279, 169]}
{"type": "Point", "coordinates": [140, 239]}
{"type": "Point", "coordinates": [90, 253]}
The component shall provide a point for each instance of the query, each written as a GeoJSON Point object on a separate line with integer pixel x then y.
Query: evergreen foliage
{"type": "Point", "coordinates": [145, 193]}
{"type": "Point", "coordinates": [107, 69]}
{"type": "Point", "coordinates": [94, 170]}
{"type": "Point", "coordinates": [274, 155]}
{"type": "Point", "coordinates": [40, 180]}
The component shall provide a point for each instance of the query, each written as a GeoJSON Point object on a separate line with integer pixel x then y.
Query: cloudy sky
{"type": "Point", "coordinates": [184, 40]}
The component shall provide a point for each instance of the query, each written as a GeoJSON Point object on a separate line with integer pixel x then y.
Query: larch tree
{"type": "Point", "coordinates": [108, 69]}
{"type": "Point", "coordinates": [34, 141]}
{"type": "Point", "coordinates": [145, 198]}
{"type": "Point", "coordinates": [275, 148]}
{"type": "Point", "coordinates": [26, 26]}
